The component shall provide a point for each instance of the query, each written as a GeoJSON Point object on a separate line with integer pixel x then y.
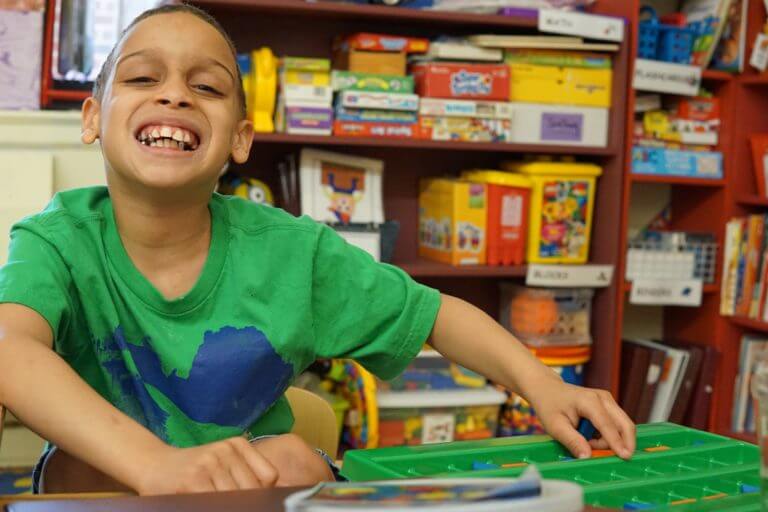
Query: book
{"type": "Point", "coordinates": [558, 58]}
{"type": "Point", "coordinates": [730, 50]}
{"type": "Point", "coordinates": [759, 145]}
{"type": "Point", "coordinates": [650, 381]}
{"type": "Point", "coordinates": [712, 15]}
{"type": "Point", "coordinates": [460, 49]}
{"type": "Point", "coordinates": [685, 394]}
{"type": "Point", "coordinates": [675, 364]}
{"type": "Point", "coordinates": [434, 495]}
{"type": "Point", "coordinates": [753, 349]}
{"type": "Point", "coordinates": [754, 242]}
{"type": "Point", "coordinates": [634, 370]}
{"type": "Point", "coordinates": [697, 415]}
{"type": "Point", "coordinates": [540, 42]}
{"type": "Point", "coordinates": [733, 230]}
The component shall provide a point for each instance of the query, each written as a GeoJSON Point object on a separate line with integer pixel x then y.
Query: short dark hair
{"type": "Point", "coordinates": [109, 63]}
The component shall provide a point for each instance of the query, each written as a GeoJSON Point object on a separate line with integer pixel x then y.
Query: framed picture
{"type": "Point", "coordinates": [341, 189]}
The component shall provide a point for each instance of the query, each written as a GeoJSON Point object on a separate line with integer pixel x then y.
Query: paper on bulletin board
{"type": "Point", "coordinates": [592, 26]}
{"type": "Point", "coordinates": [569, 276]}
{"type": "Point", "coordinates": [647, 292]}
{"type": "Point", "coordinates": [657, 76]}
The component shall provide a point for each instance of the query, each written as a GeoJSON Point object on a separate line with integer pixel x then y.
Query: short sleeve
{"type": "Point", "coordinates": [371, 312]}
{"type": "Point", "coordinates": [36, 276]}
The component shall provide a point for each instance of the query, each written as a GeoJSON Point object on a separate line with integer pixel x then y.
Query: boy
{"type": "Point", "coordinates": [178, 317]}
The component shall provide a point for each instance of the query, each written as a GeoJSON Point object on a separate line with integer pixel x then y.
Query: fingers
{"type": "Point", "coordinates": [258, 465]}
{"type": "Point", "coordinates": [595, 406]}
{"type": "Point", "coordinates": [626, 427]}
{"type": "Point", "coordinates": [561, 428]}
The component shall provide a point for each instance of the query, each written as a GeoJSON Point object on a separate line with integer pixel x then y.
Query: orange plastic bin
{"type": "Point", "coordinates": [507, 226]}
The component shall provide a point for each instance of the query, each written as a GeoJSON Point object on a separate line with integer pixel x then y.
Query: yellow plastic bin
{"type": "Point", "coordinates": [562, 203]}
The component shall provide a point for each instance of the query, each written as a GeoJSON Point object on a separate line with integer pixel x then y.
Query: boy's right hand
{"type": "Point", "coordinates": [226, 465]}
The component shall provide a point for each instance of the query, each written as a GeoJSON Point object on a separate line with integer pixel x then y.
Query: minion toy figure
{"type": "Point", "coordinates": [251, 189]}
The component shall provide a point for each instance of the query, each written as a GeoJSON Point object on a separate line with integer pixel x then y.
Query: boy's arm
{"type": "Point", "coordinates": [51, 399]}
{"type": "Point", "coordinates": [471, 338]}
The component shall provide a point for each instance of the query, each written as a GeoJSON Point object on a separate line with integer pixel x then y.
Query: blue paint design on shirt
{"type": "Point", "coordinates": [235, 377]}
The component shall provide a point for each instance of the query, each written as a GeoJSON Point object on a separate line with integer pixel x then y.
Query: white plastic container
{"type": "Point", "coordinates": [424, 417]}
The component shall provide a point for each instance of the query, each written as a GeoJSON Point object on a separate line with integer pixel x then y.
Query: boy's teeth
{"type": "Point", "coordinates": [155, 134]}
{"type": "Point", "coordinates": [187, 138]}
{"type": "Point", "coordinates": [178, 135]}
{"type": "Point", "coordinates": [166, 131]}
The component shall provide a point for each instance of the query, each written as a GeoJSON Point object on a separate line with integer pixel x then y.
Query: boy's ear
{"type": "Point", "coordinates": [90, 120]}
{"type": "Point", "coordinates": [241, 145]}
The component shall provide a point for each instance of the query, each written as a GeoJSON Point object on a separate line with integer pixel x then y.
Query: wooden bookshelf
{"type": "Point", "coordinates": [747, 437]}
{"type": "Point", "coordinates": [752, 200]}
{"type": "Point", "coordinates": [275, 23]}
{"type": "Point", "coordinates": [749, 324]}
{"type": "Point", "coordinates": [706, 288]}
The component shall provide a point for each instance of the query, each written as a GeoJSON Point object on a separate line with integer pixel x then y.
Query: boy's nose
{"type": "Point", "coordinates": [174, 94]}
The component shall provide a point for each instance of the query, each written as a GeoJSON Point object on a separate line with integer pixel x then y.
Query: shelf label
{"type": "Point", "coordinates": [437, 428]}
{"type": "Point", "coordinates": [567, 276]}
{"type": "Point", "coordinates": [657, 76]}
{"type": "Point", "coordinates": [592, 26]}
{"type": "Point", "coordinates": [651, 292]}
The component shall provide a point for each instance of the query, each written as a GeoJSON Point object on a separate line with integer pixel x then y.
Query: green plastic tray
{"type": "Point", "coordinates": [695, 465]}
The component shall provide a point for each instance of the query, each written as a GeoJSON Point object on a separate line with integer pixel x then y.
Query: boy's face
{"type": "Point", "coordinates": [170, 115]}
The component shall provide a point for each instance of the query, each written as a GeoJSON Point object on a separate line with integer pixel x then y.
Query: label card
{"type": "Point", "coordinates": [759, 57]}
{"type": "Point", "coordinates": [656, 76]}
{"type": "Point", "coordinates": [666, 293]}
{"type": "Point", "coordinates": [569, 276]}
{"type": "Point", "coordinates": [592, 26]}
{"type": "Point", "coordinates": [437, 428]}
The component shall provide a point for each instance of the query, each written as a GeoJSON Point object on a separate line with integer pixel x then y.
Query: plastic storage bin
{"type": "Point", "coordinates": [547, 317]}
{"type": "Point", "coordinates": [430, 370]}
{"type": "Point", "coordinates": [452, 221]}
{"type": "Point", "coordinates": [508, 204]}
{"type": "Point", "coordinates": [562, 203]}
{"type": "Point", "coordinates": [424, 417]}
{"type": "Point", "coordinates": [659, 41]}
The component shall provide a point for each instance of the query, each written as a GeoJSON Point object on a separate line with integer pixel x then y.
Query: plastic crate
{"type": "Point", "coordinates": [673, 466]}
{"type": "Point", "coordinates": [659, 41]}
{"type": "Point", "coordinates": [424, 417]}
{"type": "Point", "coordinates": [648, 34]}
{"type": "Point", "coordinates": [542, 317]}
{"type": "Point", "coordinates": [431, 371]}
{"type": "Point", "coordinates": [659, 260]}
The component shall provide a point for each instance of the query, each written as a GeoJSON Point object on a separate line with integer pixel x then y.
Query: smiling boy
{"type": "Point", "coordinates": [150, 328]}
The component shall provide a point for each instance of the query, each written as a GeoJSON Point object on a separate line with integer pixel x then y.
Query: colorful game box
{"type": "Point", "coordinates": [379, 100]}
{"type": "Point", "coordinates": [673, 162]}
{"type": "Point", "coordinates": [364, 115]}
{"type": "Point", "coordinates": [560, 85]}
{"type": "Point", "coordinates": [674, 466]}
{"type": "Point", "coordinates": [386, 43]}
{"type": "Point", "coordinates": [373, 129]}
{"type": "Point", "coordinates": [462, 80]}
{"type": "Point", "coordinates": [452, 221]}
{"type": "Point", "coordinates": [467, 129]}
{"type": "Point", "coordinates": [308, 120]}
{"type": "Point", "coordinates": [351, 81]}
{"type": "Point", "coordinates": [465, 108]}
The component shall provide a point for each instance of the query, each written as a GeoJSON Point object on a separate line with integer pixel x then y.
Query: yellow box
{"type": "Point", "coordinates": [304, 77]}
{"type": "Point", "coordinates": [560, 85]}
{"type": "Point", "coordinates": [452, 221]}
{"type": "Point", "coordinates": [562, 204]}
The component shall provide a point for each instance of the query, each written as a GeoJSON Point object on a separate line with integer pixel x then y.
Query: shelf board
{"type": "Point", "coordinates": [64, 95]}
{"type": "Point", "coordinates": [758, 79]}
{"type": "Point", "coordinates": [753, 200]}
{"type": "Point", "coordinates": [707, 288]}
{"type": "Point", "coordinates": [677, 180]}
{"type": "Point", "coordinates": [387, 142]}
{"type": "Point", "coordinates": [748, 323]}
{"type": "Point", "coordinates": [716, 76]}
{"type": "Point", "coordinates": [426, 268]}
{"type": "Point", "coordinates": [377, 12]}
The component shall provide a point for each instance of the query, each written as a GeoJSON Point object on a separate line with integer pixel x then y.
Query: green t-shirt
{"type": "Point", "coordinates": [275, 294]}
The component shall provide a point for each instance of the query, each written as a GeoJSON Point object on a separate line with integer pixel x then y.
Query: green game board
{"type": "Point", "coordinates": [684, 470]}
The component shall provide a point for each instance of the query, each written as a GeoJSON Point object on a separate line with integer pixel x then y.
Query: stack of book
{"type": "Point", "coordinates": [753, 350]}
{"type": "Point", "coordinates": [745, 286]}
{"type": "Point", "coordinates": [667, 381]}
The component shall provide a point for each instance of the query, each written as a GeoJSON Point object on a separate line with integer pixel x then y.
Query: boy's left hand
{"type": "Point", "coordinates": [560, 406]}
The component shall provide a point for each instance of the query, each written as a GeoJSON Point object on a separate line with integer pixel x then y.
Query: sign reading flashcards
{"type": "Point", "coordinates": [657, 76]}
{"type": "Point", "coordinates": [569, 276]}
{"type": "Point", "coordinates": [666, 293]}
{"type": "Point", "coordinates": [591, 26]}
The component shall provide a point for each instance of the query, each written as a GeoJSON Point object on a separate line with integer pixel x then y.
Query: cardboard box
{"type": "Point", "coordinates": [372, 82]}
{"type": "Point", "coordinates": [359, 61]}
{"type": "Point", "coordinates": [386, 43]}
{"type": "Point", "coordinates": [308, 120]}
{"type": "Point", "coordinates": [370, 129]}
{"type": "Point", "coordinates": [462, 80]}
{"type": "Point", "coordinates": [321, 95]}
{"type": "Point", "coordinates": [465, 108]}
{"type": "Point", "coordinates": [536, 123]}
{"type": "Point", "coordinates": [561, 85]}
{"type": "Point", "coordinates": [364, 115]}
{"type": "Point", "coordinates": [452, 221]}
{"type": "Point", "coordinates": [673, 162]}
{"type": "Point", "coordinates": [379, 100]}
{"type": "Point", "coordinates": [467, 129]}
